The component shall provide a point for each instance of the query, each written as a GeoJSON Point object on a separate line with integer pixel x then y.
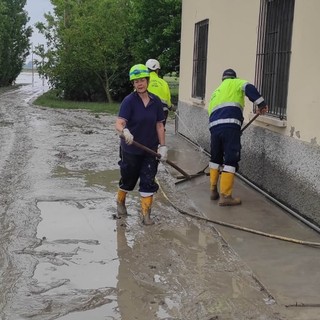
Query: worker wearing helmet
{"type": "Point", "coordinates": [140, 118]}
{"type": "Point", "coordinates": [225, 120]}
{"type": "Point", "coordinates": [159, 86]}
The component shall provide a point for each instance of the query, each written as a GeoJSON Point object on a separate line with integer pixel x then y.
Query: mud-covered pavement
{"type": "Point", "coordinates": [63, 256]}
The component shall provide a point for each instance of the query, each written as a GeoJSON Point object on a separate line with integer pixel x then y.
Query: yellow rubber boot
{"type": "Point", "coordinates": [214, 176]}
{"type": "Point", "coordinates": [146, 203]}
{"type": "Point", "coordinates": [226, 186]}
{"type": "Point", "coordinates": [121, 203]}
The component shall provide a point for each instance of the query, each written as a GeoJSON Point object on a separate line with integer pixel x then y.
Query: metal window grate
{"type": "Point", "coordinates": [273, 53]}
{"type": "Point", "coordinates": [200, 59]}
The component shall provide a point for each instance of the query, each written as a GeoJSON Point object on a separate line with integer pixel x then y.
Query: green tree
{"type": "Point", "coordinates": [91, 44]}
{"type": "Point", "coordinates": [157, 32]}
{"type": "Point", "coordinates": [85, 40]}
{"type": "Point", "coordinates": [14, 39]}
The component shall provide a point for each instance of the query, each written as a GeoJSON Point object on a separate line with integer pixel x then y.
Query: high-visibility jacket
{"type": "Point", "coordinates": [160, 88]}
{"type": "Point", "coordinates": [227, 102]}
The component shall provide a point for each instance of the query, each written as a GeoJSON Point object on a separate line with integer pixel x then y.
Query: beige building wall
{"type": "Point", "coordinates": [226, 22]}
{"type": "Point", "coordinates": [282, 157]}
{"type": "Point", "coordinates": [304, 87]}
{"type": "Point", "coordinates": [232, 43]}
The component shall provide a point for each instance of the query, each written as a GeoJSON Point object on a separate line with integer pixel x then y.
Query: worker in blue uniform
{"type": "Point", "coordinates": [140, 118]}
{"type": "Point", "coordinates": [225, 121]}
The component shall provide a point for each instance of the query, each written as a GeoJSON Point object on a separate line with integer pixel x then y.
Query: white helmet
{"type": "Point", "coordinates": [153, 64]}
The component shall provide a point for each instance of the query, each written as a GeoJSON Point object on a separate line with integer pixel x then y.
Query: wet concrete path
{"type": "Point", "coordinates": [290, 272]}
{"type": "Point", "coordinates": [63, 256]}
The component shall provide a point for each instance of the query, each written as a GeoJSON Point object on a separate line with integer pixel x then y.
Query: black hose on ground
{"type": "Point", "coordinates": [229, 225]}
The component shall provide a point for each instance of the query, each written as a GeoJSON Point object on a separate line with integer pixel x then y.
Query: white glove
{"type": "Point", "coordinates": [128, 137]}
{"type": "Point", "coordinates": [163, 151]}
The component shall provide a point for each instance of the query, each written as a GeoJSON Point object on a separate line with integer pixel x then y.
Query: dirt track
{"type": "Point", "coordinates": [63, 256]}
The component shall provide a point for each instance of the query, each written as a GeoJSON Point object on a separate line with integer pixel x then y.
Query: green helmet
{"type": "Point", "coordinates": [139, 71]}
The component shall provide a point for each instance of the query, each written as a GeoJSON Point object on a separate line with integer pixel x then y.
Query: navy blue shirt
{"type": "Point", "coordinates": [141, 121]}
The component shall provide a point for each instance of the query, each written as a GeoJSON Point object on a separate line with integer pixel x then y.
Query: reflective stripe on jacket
{"type": "Point", "coordinates": [227, 103]}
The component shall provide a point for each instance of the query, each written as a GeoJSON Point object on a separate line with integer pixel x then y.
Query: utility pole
{"type": "Point", "coordinates": [43, 75]}
{"type": "Point", "coordinates": [32, 64]}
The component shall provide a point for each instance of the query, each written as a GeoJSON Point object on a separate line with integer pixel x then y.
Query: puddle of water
{"type": "Point", "coordinates": [103, 312]}
{"type": "Point", "coordinates": [107, 180]}
{"type": "Point", "coordinates": [79, 240]}
{"type": "Point", "coordinates": [83, 249]}
{"type": "Point", "coordinates": [31, 78]}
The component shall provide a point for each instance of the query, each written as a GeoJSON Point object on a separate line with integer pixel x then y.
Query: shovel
{"type": "Point", "coordinates": [186, 176]}
{"type": "Point", "coordinates": [248, 124]}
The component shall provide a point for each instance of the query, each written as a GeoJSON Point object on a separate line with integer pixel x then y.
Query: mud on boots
{"type": "Point", "coordinates": [226, 186]}
{"type": "Point", "coordinates": [146, 203]}
{"type": "Point", "coordinates": [121, 203]}
{"type": "Point", "coordinates": [214, 177]}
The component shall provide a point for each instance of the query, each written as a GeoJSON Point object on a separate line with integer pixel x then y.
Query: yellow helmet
{"type": "Point", "coordinates": [138, 71]}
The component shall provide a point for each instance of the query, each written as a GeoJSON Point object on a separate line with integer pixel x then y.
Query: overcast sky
{"type": "Point", "coordinates": [36, 10]}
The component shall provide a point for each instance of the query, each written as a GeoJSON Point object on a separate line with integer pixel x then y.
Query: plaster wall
{"type": "Point", "coordinates": [284, 161]}
{"type": "Point", "coordinates": [303, 99]}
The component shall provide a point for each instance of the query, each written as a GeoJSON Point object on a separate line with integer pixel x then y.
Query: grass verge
{"type": "Point", "coordinates": [50, 99]}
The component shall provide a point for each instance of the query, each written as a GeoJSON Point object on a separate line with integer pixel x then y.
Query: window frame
{"type": "Point", "coordinates": [273, 54]}
{"type": "Point", "coordinates": [200, 55]}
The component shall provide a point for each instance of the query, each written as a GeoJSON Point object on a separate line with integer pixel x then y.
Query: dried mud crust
{"type": "Point", "coordinates": [180, 268]}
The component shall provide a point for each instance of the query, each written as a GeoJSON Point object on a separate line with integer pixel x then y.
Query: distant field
{"type": "Point", "coordinates": [51, 100]}
{"type": "Point", "coordinates": [29, 70]}
{"type": "Point", "coordinates": [174, 87]}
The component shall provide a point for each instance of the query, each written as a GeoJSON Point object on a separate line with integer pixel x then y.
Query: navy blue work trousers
{"type": "Point", "coordinates": [134, 167]}
{"type": "Point", "coordinates": [225, 145]}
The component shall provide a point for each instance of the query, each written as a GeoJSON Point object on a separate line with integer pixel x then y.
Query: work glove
{"type": "Point", "coordinates": [128, 137]}
{"type": "Point", "coordinates": [163, 151]}
{"type": "Point", "coordinates": [262, 110]}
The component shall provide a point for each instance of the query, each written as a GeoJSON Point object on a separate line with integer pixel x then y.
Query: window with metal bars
{"type": "Point", "coordinates": [273, 53]}
{"type": "Point", "coordinates": [200, 59]}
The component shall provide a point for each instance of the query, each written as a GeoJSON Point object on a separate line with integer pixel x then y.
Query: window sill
{"type": "Point", "coordinates": [270, 121]}
{"type": "Point", "coordinates": [198, 102]}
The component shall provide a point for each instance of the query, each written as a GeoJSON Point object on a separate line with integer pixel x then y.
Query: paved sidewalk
{"type": "Point", "coordinates": [290, 272]}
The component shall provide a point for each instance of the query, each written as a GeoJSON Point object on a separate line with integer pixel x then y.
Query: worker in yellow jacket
{"type": "Point", "coordinates": [159, 87]}
{"type": "Point", "coordinates": [225, 120]}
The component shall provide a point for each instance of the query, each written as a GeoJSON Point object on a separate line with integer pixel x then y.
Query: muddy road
{"type": "Point", "coordinates": [63, 256]}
